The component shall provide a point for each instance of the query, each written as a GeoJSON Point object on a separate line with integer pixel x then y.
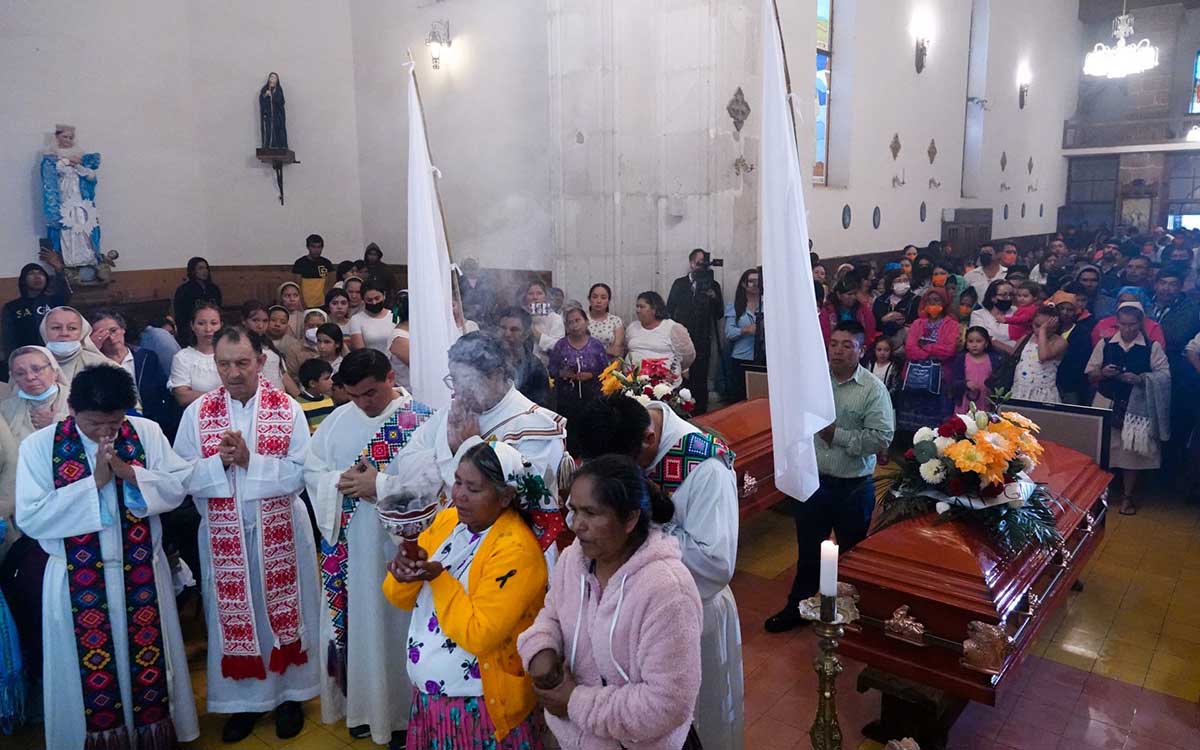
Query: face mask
{"type": "Point", "coordinates": [375, 308]}
{"type": "Point", "coordinates": [964, 310]}
{"type": "Point", "coordinates": [62, 349]}
{"type": "Point", "coordinates": [939, 279]}
{"type": "Point", "coordinates": [311, 335]}
{"type": "Point", "coordinates": [1003, 305]}
{"type": "Point", "coordinates": [933, 310]}
{"type": "Point", "coordinates": [900, 289]}
{"type": "Point", "coordinates": [50, 393]}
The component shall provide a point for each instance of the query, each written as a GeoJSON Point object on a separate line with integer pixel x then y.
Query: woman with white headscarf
{"type": "Point", "coordinates": [68, 336]}
{"type": "Point", "coordinates": [40, 391]}
{"type": "Point", "coordinates": [480, 582]}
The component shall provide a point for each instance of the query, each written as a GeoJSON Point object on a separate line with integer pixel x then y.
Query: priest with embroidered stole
{"type": "Point", "coordinates": [364, 669]}
{"type": "Point", "coordinates": [90, 489]}
{"type": "Point", "coordinates": [486, 403]}
{"type": "Point", "coordinates": [695, 469]}
{"type": "Point", "coordinates": [247, 441]}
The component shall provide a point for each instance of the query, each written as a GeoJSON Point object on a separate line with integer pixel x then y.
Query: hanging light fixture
{"type": "Point", "coordinates": [1121, 59]}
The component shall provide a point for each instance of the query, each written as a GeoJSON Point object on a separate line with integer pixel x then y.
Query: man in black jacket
{"type": "Point", "coordinates": [695, 301]}
{"type": "Point", "coordinates": [40, 293]}
{"type": "Point", "coordinates": [1179, 317]}
{"type": "Point", "coordinates": [515, 328]}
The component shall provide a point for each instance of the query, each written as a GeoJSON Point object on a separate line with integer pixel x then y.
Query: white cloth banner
{"type": "Point", "coordinates": [800, 390]}
{"type": "Point", "coordinates": [431, 318]}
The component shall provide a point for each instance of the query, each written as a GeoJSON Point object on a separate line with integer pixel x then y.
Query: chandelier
{"type": "Point", "coordinates": [1121, 59]}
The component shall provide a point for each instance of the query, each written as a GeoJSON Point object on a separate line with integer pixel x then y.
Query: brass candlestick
{"type": "Point", "coordinates": [829, 614]}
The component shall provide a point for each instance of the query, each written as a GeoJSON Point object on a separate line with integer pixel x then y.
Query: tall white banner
{"type": "Point", "coordinates": [800, 390]}
{"type": "Point", "coordinates": [430, 315]}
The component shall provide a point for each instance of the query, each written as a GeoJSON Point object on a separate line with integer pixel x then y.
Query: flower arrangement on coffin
{"type": "Point", "coordinates": [652, 380]}
{"type": "Point", "coordinates": [974, 468]}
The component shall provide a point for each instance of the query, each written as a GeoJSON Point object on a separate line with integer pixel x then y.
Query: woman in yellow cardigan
{"type": "Point", "coordinates": [480, 582]}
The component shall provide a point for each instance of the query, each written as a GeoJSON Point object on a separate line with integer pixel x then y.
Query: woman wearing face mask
{"type": "Point", "coordinates": [931, 344]}
{"type": "Point", "coordinates": [194, 369]}
{"type": "Point", "coordinates": [997, 306]}
{"type": "Point", "coordinates": [922, 274]}
{"type": "Point", "coordinates": [896, 307]}
{"type": "Point", "coordinates": [372, 328]}
{"type": "Point", "coordinates": [40, 390]}
{"type": "Point", "coordinates": [69, 338]}
{"type": "Point", "coordinates": [843, 304]}
{"type": "Point", "coordinates": [314, 318]}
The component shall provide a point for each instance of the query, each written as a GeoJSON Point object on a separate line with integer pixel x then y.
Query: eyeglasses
{"type": "Point", "coordinates": [34, 371]}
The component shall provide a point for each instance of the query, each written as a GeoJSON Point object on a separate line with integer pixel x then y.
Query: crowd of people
{"type": "Point", "coordinates": [1114, 323]}
{"type": "Point", "coordinates": [575, 547]}
{"type": "Point", "coordinates": [247, 454]}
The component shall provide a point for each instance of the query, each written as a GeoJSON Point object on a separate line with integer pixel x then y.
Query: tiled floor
{"type": "Point", "coordinates": [1118, 667]}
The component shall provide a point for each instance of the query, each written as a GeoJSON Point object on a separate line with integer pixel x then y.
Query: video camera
{"type": "Point", "coordinates": [703, 276]}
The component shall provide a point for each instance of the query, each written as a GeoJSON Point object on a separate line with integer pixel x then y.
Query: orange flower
{"type": "Point", "coordinates": [1020, 420]}
{"type": "Point", "coordinates": [994, 443]}
{"type": "Point", "coordinates": [967, 456]}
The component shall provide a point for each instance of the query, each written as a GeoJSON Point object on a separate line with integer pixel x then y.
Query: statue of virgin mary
{"type": "Point", "coordinates": [270, 107]}
{"type": "Point", "coordinates": [69, 200]}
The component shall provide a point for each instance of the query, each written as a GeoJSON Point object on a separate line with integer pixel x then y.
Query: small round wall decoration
{"type": "Point", "coordinates": [1005, 210]}
{"type": "Point", "coordinates": [846, 216]}
{"type": "Point", "coordinates": [1022, 210]}
{"type": "Point", "coordinates": [923, 211]}
{"type": "Point", "coordinates": [876, 217]}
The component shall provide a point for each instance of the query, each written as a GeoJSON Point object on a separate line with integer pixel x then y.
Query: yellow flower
{"type": "Point", "coordinates": [1020, 420]}
{"type": "Point", "coordinates": [613, 367]}
{"type": "Point", "coordinates": [609, 385]}
{"type": "Point", "coordinates": [1029, 445]}
{"type": "Point", "coordinates": [993, 443]}
{"type": "Point", "coordinates": [967, 456]}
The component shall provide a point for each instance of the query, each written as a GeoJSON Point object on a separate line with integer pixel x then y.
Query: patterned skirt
{"type": "Point", "coordinates": [441, 722]}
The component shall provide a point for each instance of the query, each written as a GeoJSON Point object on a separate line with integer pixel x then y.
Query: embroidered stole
{"type": "Point", "coordinates": [104, 713]}
{"type": "Point", "coordinates": [387, 442]}
{"type": "Point", "coordinates": [689, 452]}
{"type": "Point", "coordinates": [241, 657]}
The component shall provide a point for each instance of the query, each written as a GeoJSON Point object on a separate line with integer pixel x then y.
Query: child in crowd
{"type": "Point", "coordinates": [316, 389]}
{"type": "Point", "coordinates": [307, 349]}
{"type": "Point", "coordinates": [879, 359]}
{"type": "Point", "coordinates": [338, 391]}
{"type": "Point", "coordinates": [1026, 297]}
{"type": "Point", "coordinates": [972, 368]}
{"type": "Point", "coordinates": [329, 344]}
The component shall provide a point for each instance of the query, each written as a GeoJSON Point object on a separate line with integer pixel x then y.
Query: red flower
{"type": "Point", "coordinates": [908, 454]}
{"type": "Point", "coordinates": [953, 428]}
{"type": "Point", "coordinates": [689, 406]}
{"type": "Point", "coordinates": [648, 391]}
{"type": "Point", "coordinates": [955, 486]}
{"type": "Point", "coordinates": [992, 490]}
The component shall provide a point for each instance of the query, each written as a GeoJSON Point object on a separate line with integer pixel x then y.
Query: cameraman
{"type": "Point", "coordinates": [695, 301]}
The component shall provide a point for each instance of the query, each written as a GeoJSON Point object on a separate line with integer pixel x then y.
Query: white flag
{"type": "Point", "coordinates": [800, 390]}
{"type": "Point", "coordinates": [430, 315]}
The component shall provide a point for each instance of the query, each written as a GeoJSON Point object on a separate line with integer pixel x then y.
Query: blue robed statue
{"type": "Point", "coordinates": [69, 199]}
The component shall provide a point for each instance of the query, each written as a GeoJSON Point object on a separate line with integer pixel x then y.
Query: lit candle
{"type": "Point", "coordinates": [829, 566]}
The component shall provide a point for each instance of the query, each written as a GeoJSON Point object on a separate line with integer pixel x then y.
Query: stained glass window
{"type": "Point", "coordinates": [1194, 107]}
{"type": "Point", "coordinates": [824, 70]}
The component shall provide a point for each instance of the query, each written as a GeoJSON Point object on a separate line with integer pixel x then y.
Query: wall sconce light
{"type": "Point", "coordinates": [1024, 78]}
{"type": "Point", "coordinates": [921, 27]}
{"type": "Point", "coordinates": [438, 42]}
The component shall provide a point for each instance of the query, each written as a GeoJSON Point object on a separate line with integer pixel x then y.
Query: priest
{"type": "Point", "coordinates": [247, 441]}
{"type": "Point", "coordinates": [695, 469]}
{"type": "Point", "coordinates": [485, 403]}
{"type": "Point", "coordinates": [90, 489]}
{"type": "Point", "coordinates": [364, 671]}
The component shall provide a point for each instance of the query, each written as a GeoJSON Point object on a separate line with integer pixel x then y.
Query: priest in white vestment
{"type": "Point", "coordinates": [364, 675]}
{"type": "Point", "coordinates": [486, 404]}
{"type": "Point", "coordinates": [247, 440]}
{"type": "Point", "coordinates": [90, 489]}
{"type": "Point", "coordinates": [695, 470]}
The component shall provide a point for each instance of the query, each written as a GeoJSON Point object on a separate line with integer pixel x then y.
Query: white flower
{"type": "Point", "coordinates": [685, 394]}
{"type": "Point", "coordinates": [643, 399]}
{"type": "Point", "coordinates": [942, 507]}
{"type": "Point", "coordinates": [643, 378]}
{"type": "Point", "coordinates": [1027, 463]}
{"type": "Point", "coordinates": [662, 390]}
{"type": "Point", "coordinates": [933, 471]}
{"type": "Point", "coordinates": [943, 443]}
{"type": "Point", "coordinates": [923, 434]}
{"type": "Point", "coordinates": [969, 421]}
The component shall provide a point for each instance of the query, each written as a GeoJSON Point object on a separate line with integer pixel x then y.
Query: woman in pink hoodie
{"type": "Point", "coordinates": [615, 653]}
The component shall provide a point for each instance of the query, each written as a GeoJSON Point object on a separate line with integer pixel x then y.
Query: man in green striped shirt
{"type": "Point", "coordinates": [846, 453]}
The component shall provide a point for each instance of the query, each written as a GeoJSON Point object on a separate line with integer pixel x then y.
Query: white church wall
{"type": "Point", "coordinates": [166, 90]}
{"type": "Point", "coordinates": [486, 115]}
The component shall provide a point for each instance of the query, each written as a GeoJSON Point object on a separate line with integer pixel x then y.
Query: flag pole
{"type": "Point", "coordinates": [437, 190]}
{"type": "Point", "coordinates": [787, 74]}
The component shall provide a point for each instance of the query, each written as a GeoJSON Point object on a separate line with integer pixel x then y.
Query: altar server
{"type": "Point", "coordinates": [695, 470]}
{"type": "Point", "coordinates": [247, 440]}
{"type": "Point", "coordinates": [364, 672]}
{"type": "Point", "coordinates": [90, 489]}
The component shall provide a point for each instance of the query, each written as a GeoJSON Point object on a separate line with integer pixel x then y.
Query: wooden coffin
{"type": "Point", "coordinates": [971, 614]}
{"type": "Point", "coordinates": [746, 427]}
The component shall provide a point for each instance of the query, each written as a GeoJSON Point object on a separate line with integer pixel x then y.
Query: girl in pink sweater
{"type": "Point", "coordinates": [615, 653]}
{"type": "Point", "coordinates": [1027, 297]}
